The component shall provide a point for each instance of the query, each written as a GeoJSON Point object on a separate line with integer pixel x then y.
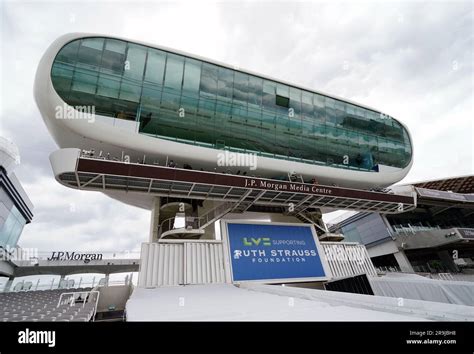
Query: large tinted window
{"type": "Point", "coordinates": [224, 108]}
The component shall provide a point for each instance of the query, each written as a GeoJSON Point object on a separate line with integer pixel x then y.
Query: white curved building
{"type": "Point", "coordinates": [122, 97]}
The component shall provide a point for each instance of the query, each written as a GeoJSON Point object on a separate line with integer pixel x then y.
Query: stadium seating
{"type": "Point", "coordinates": [42, 305]}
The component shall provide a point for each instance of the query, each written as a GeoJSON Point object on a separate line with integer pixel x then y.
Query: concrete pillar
{"type": "Point", "coordinates": [155, 220]}
{"type": "Point", "coordinates": [448, 261]}
{"type": "Point", "coordinates": [8, 284]}
{"type": "Point", "coordinates": [107, 279]}
{"type": "Point", "coordinates": [403, 262]}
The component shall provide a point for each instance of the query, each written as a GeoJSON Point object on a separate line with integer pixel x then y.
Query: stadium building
{"type": "Point", "coordinates": [16, 209]}
{"type": "Point", "coordinates": [436, 237]}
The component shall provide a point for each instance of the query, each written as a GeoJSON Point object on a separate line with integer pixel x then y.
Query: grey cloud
{"type": "Point", "coordinates": [400, 58]}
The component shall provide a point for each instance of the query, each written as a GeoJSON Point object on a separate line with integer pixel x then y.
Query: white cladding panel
{"type": "Point", "coordinates": [177, 263]}
{"type": "Point", "coordinates": [348, 259]}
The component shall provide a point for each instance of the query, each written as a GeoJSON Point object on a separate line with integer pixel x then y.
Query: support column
{"type": "Point", "coordinates": [107, 279]}
{"type": "Point", "coordinates": [403, 262]}
{"type": "Point", "coordinates": [155, 220]}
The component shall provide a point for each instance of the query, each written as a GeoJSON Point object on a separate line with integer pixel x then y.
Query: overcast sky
{"type": "Point", "coordinates": [412, 60]}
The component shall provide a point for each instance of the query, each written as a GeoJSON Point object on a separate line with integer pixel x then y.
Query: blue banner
{"type": "Point", "coordinates": [265, 252]}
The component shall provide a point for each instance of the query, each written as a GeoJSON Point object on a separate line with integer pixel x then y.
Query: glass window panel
{"type": "Point", "coordinates": [254, 120]}
{"type": "Point", "coordinates": [155, 66]}
{"type": "Point", "coordinates": [108, 86]}
{"type": "Point", "coordinates": [239, 111]}
{"type": "Point", "coordinates": [308, 151]}
{"type": "Point", "coordinates": [174, 71]}
{"type": "Point", "coordinates": [269, 91]}
{"type": "Point", "coordinates": [208, 85]}
{"type": "Point", "coordinates": [205, 131]}
{"type": "Point", "coordinates": [225, 83]}
{"type": "Point", "coordinates": [350, 109]}
{"type": "Point", "coordinates": [130, 92]}
{"type": "Point", "coordinates": [282, 90]}
{"type": "Point", "coordinates": [330, 111]}
{"type": "Point", "coordinates": [90, 52]}
{"type": "Point", "coordinates": [340, 106]}
{"type": "Point", "coordinates": [371, 115]}
{"type": "Point", "coordinates": [269, 87]}
{"type": "Point", "coordinates": [282, 101]}
{"type": "Point", "coordinates": [329, 102]}
{"type": "Point", "coordinates": [223, 119]}
{"type": "Point", "coordinates": [15, 234]}
{"type": "Point", "coordinates": [360, 112]}
{"type": "Point", "coordinates": [5, 230]}
{"type": "Point", "coordinates": [334, 150]}
{"type": "Point", "coordinates": [339, 112]}
{"type": "Point", "coordinates": [255, 90]}
{"type": "Point", "coordinates": [318, 100]}
{"type": "Point", "coordinates": [307, 107]}
{"type": "Point", "coordinates": [282, 137]}
{"type": "Point", "coordinates": [125, 109]}
{"type": "Point", "coordinates": [68, 53]}
{"type": "Point", "coordinates": [235, 132]}
{"type": "Point", "coordinates": [116, 46]}
{"type": "Point", "coordinates": [207, 108]}
{"type": "Point", "coordinates": [192, 76]}
{"type": "Point", "coordinates": [241, 82]}
{"type": "Point", "coordinates": [135, 62]}
{"type": "Point", "coordinates": [295, 138]}
{"type": "Point", "coordinates": [84, 81]}
{"type": "Point", "coordinates": [295, 100]}
{"type": "Point", "coordinates": [267, 135]}
{"type": "Point", "coordinates": [190, 105]}
{"type": "Point", "coordinates": [62, 78]}
{"type": "Point", "coordinates": [113, 57]}
{"type": "Point", "coordinates": [320, 143]}
{"type": "Point", "coordinates": [150, 108]}
{"type": "Point", "coordinates": [319, 108]}
{"type": "Point", "coordinates": [170, 101]}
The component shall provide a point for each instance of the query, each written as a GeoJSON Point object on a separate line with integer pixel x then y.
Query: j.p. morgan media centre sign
{"type": "Point", "coordinates": [274, 252]}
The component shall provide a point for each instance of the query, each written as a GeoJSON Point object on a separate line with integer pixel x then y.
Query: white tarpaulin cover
{"type": "Point", "coordinates": [411, 286]}
{"type": "Point", "coordinates": [257, 302]}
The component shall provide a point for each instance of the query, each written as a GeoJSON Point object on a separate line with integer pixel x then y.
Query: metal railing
{"type": "Point", "coordinates": [26, 285]}
{"type": "Point", "coordinates": [190, 223]}
{"type": "Point", "coordinates": [412, 229]}
{"type": "Point", "coordinates": [195, 222]}
{"type": "Point", "coordinates": [74, 297]}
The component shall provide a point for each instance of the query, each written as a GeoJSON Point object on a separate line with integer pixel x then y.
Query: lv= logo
{"type": "Point", "coordinates": [265, 241]}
